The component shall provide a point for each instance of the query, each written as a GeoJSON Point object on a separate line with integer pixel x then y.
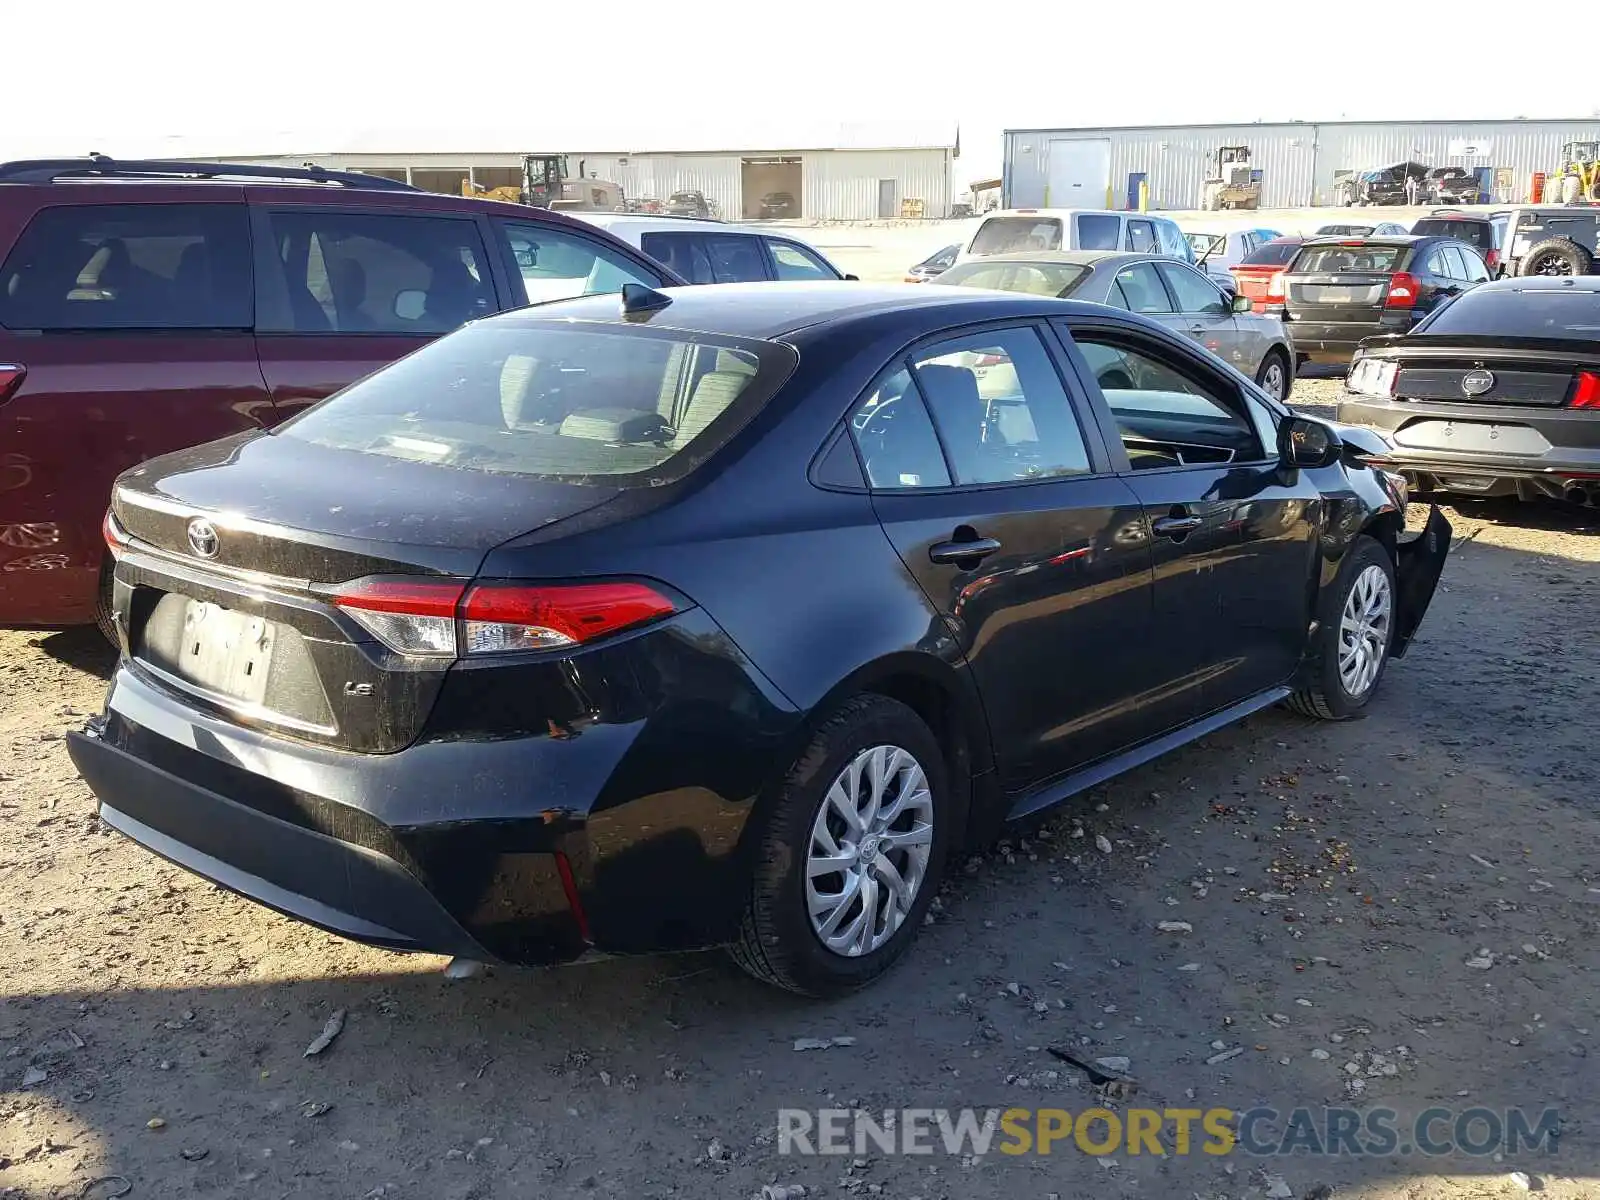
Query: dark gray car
{"type": "Point", "coordinates": [1497, 393]}
{"type": "Point", "coordinates": [1185, 299]}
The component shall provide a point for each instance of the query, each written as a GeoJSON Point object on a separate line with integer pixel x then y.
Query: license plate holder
{"type": "Point", "coordinates": [1336, 295]}
{"type": "Point", "coordinates": [225, 651]}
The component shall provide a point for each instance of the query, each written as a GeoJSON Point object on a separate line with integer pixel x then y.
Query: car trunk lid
{"type": "Point", "coordinates": [231, 555]}
{"type": "Point", "coordinates": [1497, 370]}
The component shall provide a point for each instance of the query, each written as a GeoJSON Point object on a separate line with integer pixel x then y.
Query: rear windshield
{"type": "Point", "coordinates": [1004, 235]}
{"type": "Point", "coordinates": [1036, 279]}
{"type": "Point", "coordinates": [1272, 254]}
{"type": "Point", "coordinates": [1324, 260]}
{"type": "Point", "coordinates": [622, 405]}
{"type": "Point", "coordinates": [1477, 233]}
{"type": "Point", "coordinates": [1536, 313]}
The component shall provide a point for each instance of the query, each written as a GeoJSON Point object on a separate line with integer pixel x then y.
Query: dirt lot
{"type": "Point", "coordinates": [1409, 902]}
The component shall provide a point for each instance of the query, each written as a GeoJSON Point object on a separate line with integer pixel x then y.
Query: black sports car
{"type": "Point", "coordinates": [722, 618]}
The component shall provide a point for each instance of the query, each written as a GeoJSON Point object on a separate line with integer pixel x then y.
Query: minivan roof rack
{"type": "Point", "coordinates": [99, 166]}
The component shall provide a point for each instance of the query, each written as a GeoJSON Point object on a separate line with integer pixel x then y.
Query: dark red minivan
{"type": "Point", "coordinates": [148, 306]}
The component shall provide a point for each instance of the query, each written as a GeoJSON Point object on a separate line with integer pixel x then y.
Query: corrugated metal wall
{"type": "Point", "coordinates": [1298, 162]}
{"type": "Point", "coordinates": [657, 176]}
{"type": "Point", "coordinates": [843, 185]}
{"type": "Point", "coordinates": [836, 185]}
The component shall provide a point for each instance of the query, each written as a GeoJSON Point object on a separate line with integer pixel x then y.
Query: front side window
{"type": "Point", "coordinates": [1000, 408]}
{"type": "Point", "coordinates": [1194, 293]}
{"type": "Point", "coordinates": [1140, 290]}
{"type": "Point", "coordinates": [1096, 231]}
{"type": "Point", "coordinates": [353, 272]}
{"type": "Point", "coordinates": [1141, 237]}
{"type": "Point", "coordinates": [796, 262]}
{"type": "Point", "coordinates": [130, 266]}
{"type": "Point", "coordinates": [1166, 414]}
{"type": "Point", "coordinates": [685, 253]}
{"type": "Point", "coordinates": [617, 404]}
{"type": "Point", "coordinates": [555, 264]}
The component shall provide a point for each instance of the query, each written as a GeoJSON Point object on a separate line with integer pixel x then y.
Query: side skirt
{"type": "Point", "coordinates": [1056, 791]}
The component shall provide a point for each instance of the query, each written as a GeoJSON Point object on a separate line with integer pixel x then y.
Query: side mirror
{"type": "Point", "coordinates": [1242, 304]}
{"type": "Point", "coordinates": [853, 278]}
{"type": "Point", "coordinates": [1303, 442]}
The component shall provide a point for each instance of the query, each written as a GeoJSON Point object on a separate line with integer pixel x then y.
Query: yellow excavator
{"type": "Point", "coordinates": [1581, 159]}
{"type": "Point", "coordinates": [547, 183]}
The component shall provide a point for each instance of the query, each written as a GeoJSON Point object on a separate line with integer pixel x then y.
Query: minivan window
{"type": "Point", "coordinates": [1141, 237]}
{"type": "Point", "coordinates": [1003, 235]}
{"type": "Point", "coordinates": [736, 258]}
{"type": "Point", "coordinates": [614, 404]}
{"type": "Point", "coordinates": [130, 266]}
{"type": "Point", "coordinates": [1098, 231]}
{"type": "Point", "coordinates": [356, 272]}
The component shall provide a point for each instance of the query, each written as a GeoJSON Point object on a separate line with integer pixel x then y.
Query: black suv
{"type": "Point", "coordinates": [1483, 234]}
{"type": "Point", "coordinates": [1551, 241]}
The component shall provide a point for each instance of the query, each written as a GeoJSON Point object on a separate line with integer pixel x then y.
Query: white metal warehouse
{"type": "Point", "coordinates": [1299, 161]}
{"type": "Point", "coordinates": [838, 172]}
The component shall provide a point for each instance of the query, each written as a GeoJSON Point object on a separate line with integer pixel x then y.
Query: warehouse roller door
{"type": "Point", "coordinates": [1077, 172]}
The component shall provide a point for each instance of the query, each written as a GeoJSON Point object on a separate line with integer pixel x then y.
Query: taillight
{"type": "Point", "coordinates": [443, 618]}
{"type": "Point", "coordinates": [1402, 290]}
{"type": "Point", "coordinates": [10, 379]}
{"type": "Point", "coordinates": [112, 532]}
{"type": "Point", "coordinates": [1587, 393]}
{"type": "Point", "coordinates": [1492, 258]}
{"type": "Point", "coordinates": [1372, 377]}
{"type": "Point", "coordinates": [1276, 287]}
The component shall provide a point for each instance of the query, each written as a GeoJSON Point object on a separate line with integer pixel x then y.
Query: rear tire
{"type": "Point", "coordinates": [1274, 376]}
{"type": "Point", "coordinates": [780, 941]}
{"type": "Point", "coordinates": [1343, 675]}
{"type": "Point", "coordinates": [102, 604]}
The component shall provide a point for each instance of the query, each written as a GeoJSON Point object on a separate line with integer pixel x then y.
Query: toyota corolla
{"type": "Point", "coordinates": [722, 618]}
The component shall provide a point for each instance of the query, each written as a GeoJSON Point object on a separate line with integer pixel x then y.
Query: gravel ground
{"type": "Point", "coordinates": [1407, 902]}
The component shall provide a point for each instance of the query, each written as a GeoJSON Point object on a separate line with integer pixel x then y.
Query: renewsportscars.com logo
{"type": "Point", "coordinates": [1262, 1131]}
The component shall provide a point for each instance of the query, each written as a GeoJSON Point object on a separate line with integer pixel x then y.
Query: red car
{"type": "Point", "coordinates": [150, 306]}
{"type": "Point", "coordinates": [1261, 266]}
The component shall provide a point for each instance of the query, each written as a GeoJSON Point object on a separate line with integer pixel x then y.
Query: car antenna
{"type": "Point", "coordinates": [636, 298]}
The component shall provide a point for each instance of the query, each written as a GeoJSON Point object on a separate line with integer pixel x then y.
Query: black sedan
{"type": "Point", "coordinates": [1338, 291]}
{"type": "Point", "coordinates": [1496, 394]}
{"type": "Point", "coordinates": [723, 617]}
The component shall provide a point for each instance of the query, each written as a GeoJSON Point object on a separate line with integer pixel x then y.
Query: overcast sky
{"type": "Point", "coordinates": [93, 74]}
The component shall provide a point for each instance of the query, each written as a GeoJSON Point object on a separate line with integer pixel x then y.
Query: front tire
{"type": "Point", "coordinates": [103, 619]}
{"type": "Point", "coordinates": [1355, 628]}
{"type": "Point", "coordinates": [851, 855]}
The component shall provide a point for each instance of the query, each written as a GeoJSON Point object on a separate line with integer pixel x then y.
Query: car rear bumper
{"type": "Point", "coordinates": [624, 836]}
{"type": "Point", "coordinates": [1336, 341]}
{"type": "Point", "coordinates": [1547, 452]}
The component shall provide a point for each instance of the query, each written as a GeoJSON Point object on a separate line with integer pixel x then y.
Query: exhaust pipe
{"type": "Point", "coordinates": [1576, 493]}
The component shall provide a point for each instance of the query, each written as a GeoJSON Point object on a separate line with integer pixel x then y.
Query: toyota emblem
{"type": "Point", "coordinates": [203, 538]}
{"type": "Point", "coordinates": [1476, 383]}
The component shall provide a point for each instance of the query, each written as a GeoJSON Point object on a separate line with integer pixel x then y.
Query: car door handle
{"type": "Point", "coordinates": [1175, 527]}
{"type": "Point", "coordinates": [959, 552]}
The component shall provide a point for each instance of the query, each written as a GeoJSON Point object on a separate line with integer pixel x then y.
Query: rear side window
{"type": "Point", "coordinates": [354, 272]}
{"type": "Point", "coordinates": [1326, 260]}
{"type": "Point", "coordinates": [629, 406]}
{"type": "Point", "coordinates": [1271, 254]}
{"type": "Point", "coordinates": [736, 259]}
{"type": "Point", "coordinates": [130, 266]}
{"type": "Point", "coordinates": [1139, 290]}
{"type": "Point", "coordinates": [1097, 231]}
{"type": "Point", "coordinates": [685, 253]}
{"type": "Point", "coordinates": [1002, 235]}
{"type": "Point", "coordinates": [1536, 312]}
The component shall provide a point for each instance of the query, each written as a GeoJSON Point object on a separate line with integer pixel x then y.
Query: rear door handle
{"type": "Point", "coordinates": [1175, 527]}
{"type": "Point", "coordinates": [959, 552]}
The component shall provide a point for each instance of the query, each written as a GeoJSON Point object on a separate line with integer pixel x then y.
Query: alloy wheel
{"type": "Point", "coordinates": [1272, 380]}
{"type": "Point", "coordinates": [1552, 264]}
{"type": "Point", "coordinates": [1364, 630]}
{"type": "Point", "coordinates": [869, 850]}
